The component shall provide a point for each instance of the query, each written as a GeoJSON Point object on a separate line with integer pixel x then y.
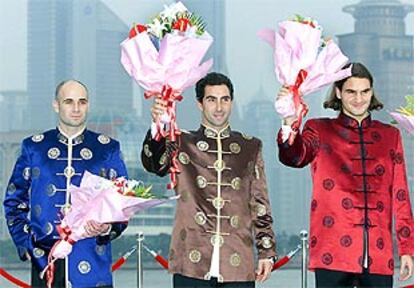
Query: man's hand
{"type": "Point", "coordinates": [285, 92]}
{"type": "Point", "coordinates": [93, 228]}
{"type": "Point", "coordinates": [158, 108]}
{"type": "Point", "coordinates": [264, 269]}
{"type": "Point", "coordinates": [406, 269]}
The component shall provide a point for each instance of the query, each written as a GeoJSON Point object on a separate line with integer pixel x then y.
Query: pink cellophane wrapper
{"type": "Point", "coordinates": [97, 199]}
{"type": "Point", "coordinates": [406, 122]}
{"type": "Point", "coordinates": [296, 47]}
{"type": "Point", "coordinates": [177, 63]}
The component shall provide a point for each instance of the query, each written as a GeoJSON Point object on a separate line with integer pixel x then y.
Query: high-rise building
{"type": "Point", "coordinates": [13, 111]}
{"type": "Point", "coordinates": [75, 39]}
{"type": "Point", "coordinates": [289, 189]}
{"type": "Point", "coordinates": [381, 43]}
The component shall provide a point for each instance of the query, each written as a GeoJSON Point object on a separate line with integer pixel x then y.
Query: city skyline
{"type": "Point", "coordinates": [243, 54]}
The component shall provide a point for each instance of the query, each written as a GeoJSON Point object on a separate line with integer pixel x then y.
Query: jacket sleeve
{"type": "Point", "coordinates": [114, 163]}
{"type": "Point", "coordinates": [16, 203]}
{"type": "Point", "coordinates": [17, 207]}
{"type": "Point", "coordinates": [156, 155]}
{"type": "Point", "coordinates": [403, 216]}
{"type": "Point", "coordinates": [303, 149]}
{"type": "Point", "coordinates": [262, 218]}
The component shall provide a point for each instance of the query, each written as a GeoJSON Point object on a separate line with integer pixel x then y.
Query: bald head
{"type": "Point", "coordinates": [70, 85]}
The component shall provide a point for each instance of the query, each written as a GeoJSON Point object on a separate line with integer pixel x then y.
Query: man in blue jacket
{"type": "Point", "coordinates": [37, 199]}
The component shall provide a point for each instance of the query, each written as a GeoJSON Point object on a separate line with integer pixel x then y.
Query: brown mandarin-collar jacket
{"type": "Point", "coordinates": [223, 199]}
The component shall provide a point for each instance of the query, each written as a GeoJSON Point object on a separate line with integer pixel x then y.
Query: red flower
{"type": "Point", "coordinates": [310, 23]}
{"type": "Point", "coordinates": [136, 29]}
{"type": "Point", "coordinates": [181, 24]}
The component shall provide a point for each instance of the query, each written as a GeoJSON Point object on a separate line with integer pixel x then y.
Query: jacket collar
{"type": "Point", "coordinates": [76, 139]}
{"type": "Point", "coordinates": [350, 122]}
{"type": "Point", "coordinates": [210, 132]}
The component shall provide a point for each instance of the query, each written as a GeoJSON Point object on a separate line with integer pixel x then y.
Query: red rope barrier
{"type": "Point", "coordinates": [13, 279]}
{"type": "Point", "coordinates": [121, 261]}
{"type": "Point", "coordinates": [286, 259]}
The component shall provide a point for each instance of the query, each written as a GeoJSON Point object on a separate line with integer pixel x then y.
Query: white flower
{"type": "Point", "coordinates": [134, 183]}
{"type": "Point", "coordinates": [156, 28]}
{"type": "Point", "coordinates": [170, 12]}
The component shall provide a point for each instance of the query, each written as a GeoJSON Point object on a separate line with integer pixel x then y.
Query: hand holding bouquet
{"type": "Point", "coordinates": [164, 58]}
{"type": "Point", "coordinates": [304, 62]}
{"type": "Point", "coordinates": [103, 201]}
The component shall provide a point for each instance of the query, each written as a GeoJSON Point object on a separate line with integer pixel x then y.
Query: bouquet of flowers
{"type": "Point", "coordinates": [304, 61]}
{"type": "Point", "coordinates": [405, 115]}
{"type": "Point", "coordinates": [164, 58]}
{"type": "Point", "coordinates": [102, 200]}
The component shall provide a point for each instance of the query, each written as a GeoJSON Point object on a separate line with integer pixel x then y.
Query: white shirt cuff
{"type": "Point", "coordinates": [154, 129]}
{"type": "Point", "coordinates": [286, 130]}
{"type": "Point", "coordinates": [107, 231]}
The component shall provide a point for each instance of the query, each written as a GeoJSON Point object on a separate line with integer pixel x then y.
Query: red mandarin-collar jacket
{"type": "Point", "coordinates": [359, 183]}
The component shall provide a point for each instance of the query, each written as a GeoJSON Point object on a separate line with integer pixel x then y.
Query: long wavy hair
{"type": "Point", "coordinates": [358, 71]}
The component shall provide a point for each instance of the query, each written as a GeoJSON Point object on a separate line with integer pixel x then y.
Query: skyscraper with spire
{"type": "Point", "coordinates": [381, 43]}
{"type": "Point", "coordinates": [75, 39]}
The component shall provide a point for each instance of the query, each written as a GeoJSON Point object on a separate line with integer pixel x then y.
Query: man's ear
{"type": "Point", "coordinates": [338, 93]}
{"type": "Point", "coordinates": [200, 105]}
{"type": "Point", "coordinates": [55, 105]}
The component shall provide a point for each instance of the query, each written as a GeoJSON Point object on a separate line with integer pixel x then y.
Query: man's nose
{"type": "Point", "coordinates": [359, 97]}
{"type": "Point", "coordinates": [218, 106]}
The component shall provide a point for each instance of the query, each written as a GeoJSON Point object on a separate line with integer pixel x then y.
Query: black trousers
{"type": "Point", "coordinates": [181, 281]}
{"type": "Point", "coordinates": [59, 276]}
{"type": "Point", "coordinates": [58, 280]}
{"type": "Point", "coordinates": [330, 278]}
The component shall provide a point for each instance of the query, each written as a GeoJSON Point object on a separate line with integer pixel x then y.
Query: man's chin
{"type": "Point", "coordinates": [76, 124]}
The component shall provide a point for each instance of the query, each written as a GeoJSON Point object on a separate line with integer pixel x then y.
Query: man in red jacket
{"type": "Point", "coordinates": [359, 186]}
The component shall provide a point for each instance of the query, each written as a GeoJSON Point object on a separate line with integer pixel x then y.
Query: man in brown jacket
{"type": "Point", "coordinates": [223, 206]}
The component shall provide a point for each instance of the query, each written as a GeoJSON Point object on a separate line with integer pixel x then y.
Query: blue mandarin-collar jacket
{"type": "Point", "coordinates": [36, 198]}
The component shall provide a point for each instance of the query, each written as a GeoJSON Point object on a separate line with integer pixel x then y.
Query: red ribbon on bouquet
{"type": "Point", "coordinates": [174, 170]}
{"type": "Point", "coordinates": [171, 96]}
{"type": "Point", "coordinates": [300, 106]}
{"type": "Point", "coordinates": [64, 233]}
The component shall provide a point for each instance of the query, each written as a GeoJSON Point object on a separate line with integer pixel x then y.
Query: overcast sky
{"type": "Point", "coordinates": [248, 58]}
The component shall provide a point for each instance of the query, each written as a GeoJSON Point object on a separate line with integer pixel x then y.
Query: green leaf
{"type": "Point", "coordinates": [143, 191]}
